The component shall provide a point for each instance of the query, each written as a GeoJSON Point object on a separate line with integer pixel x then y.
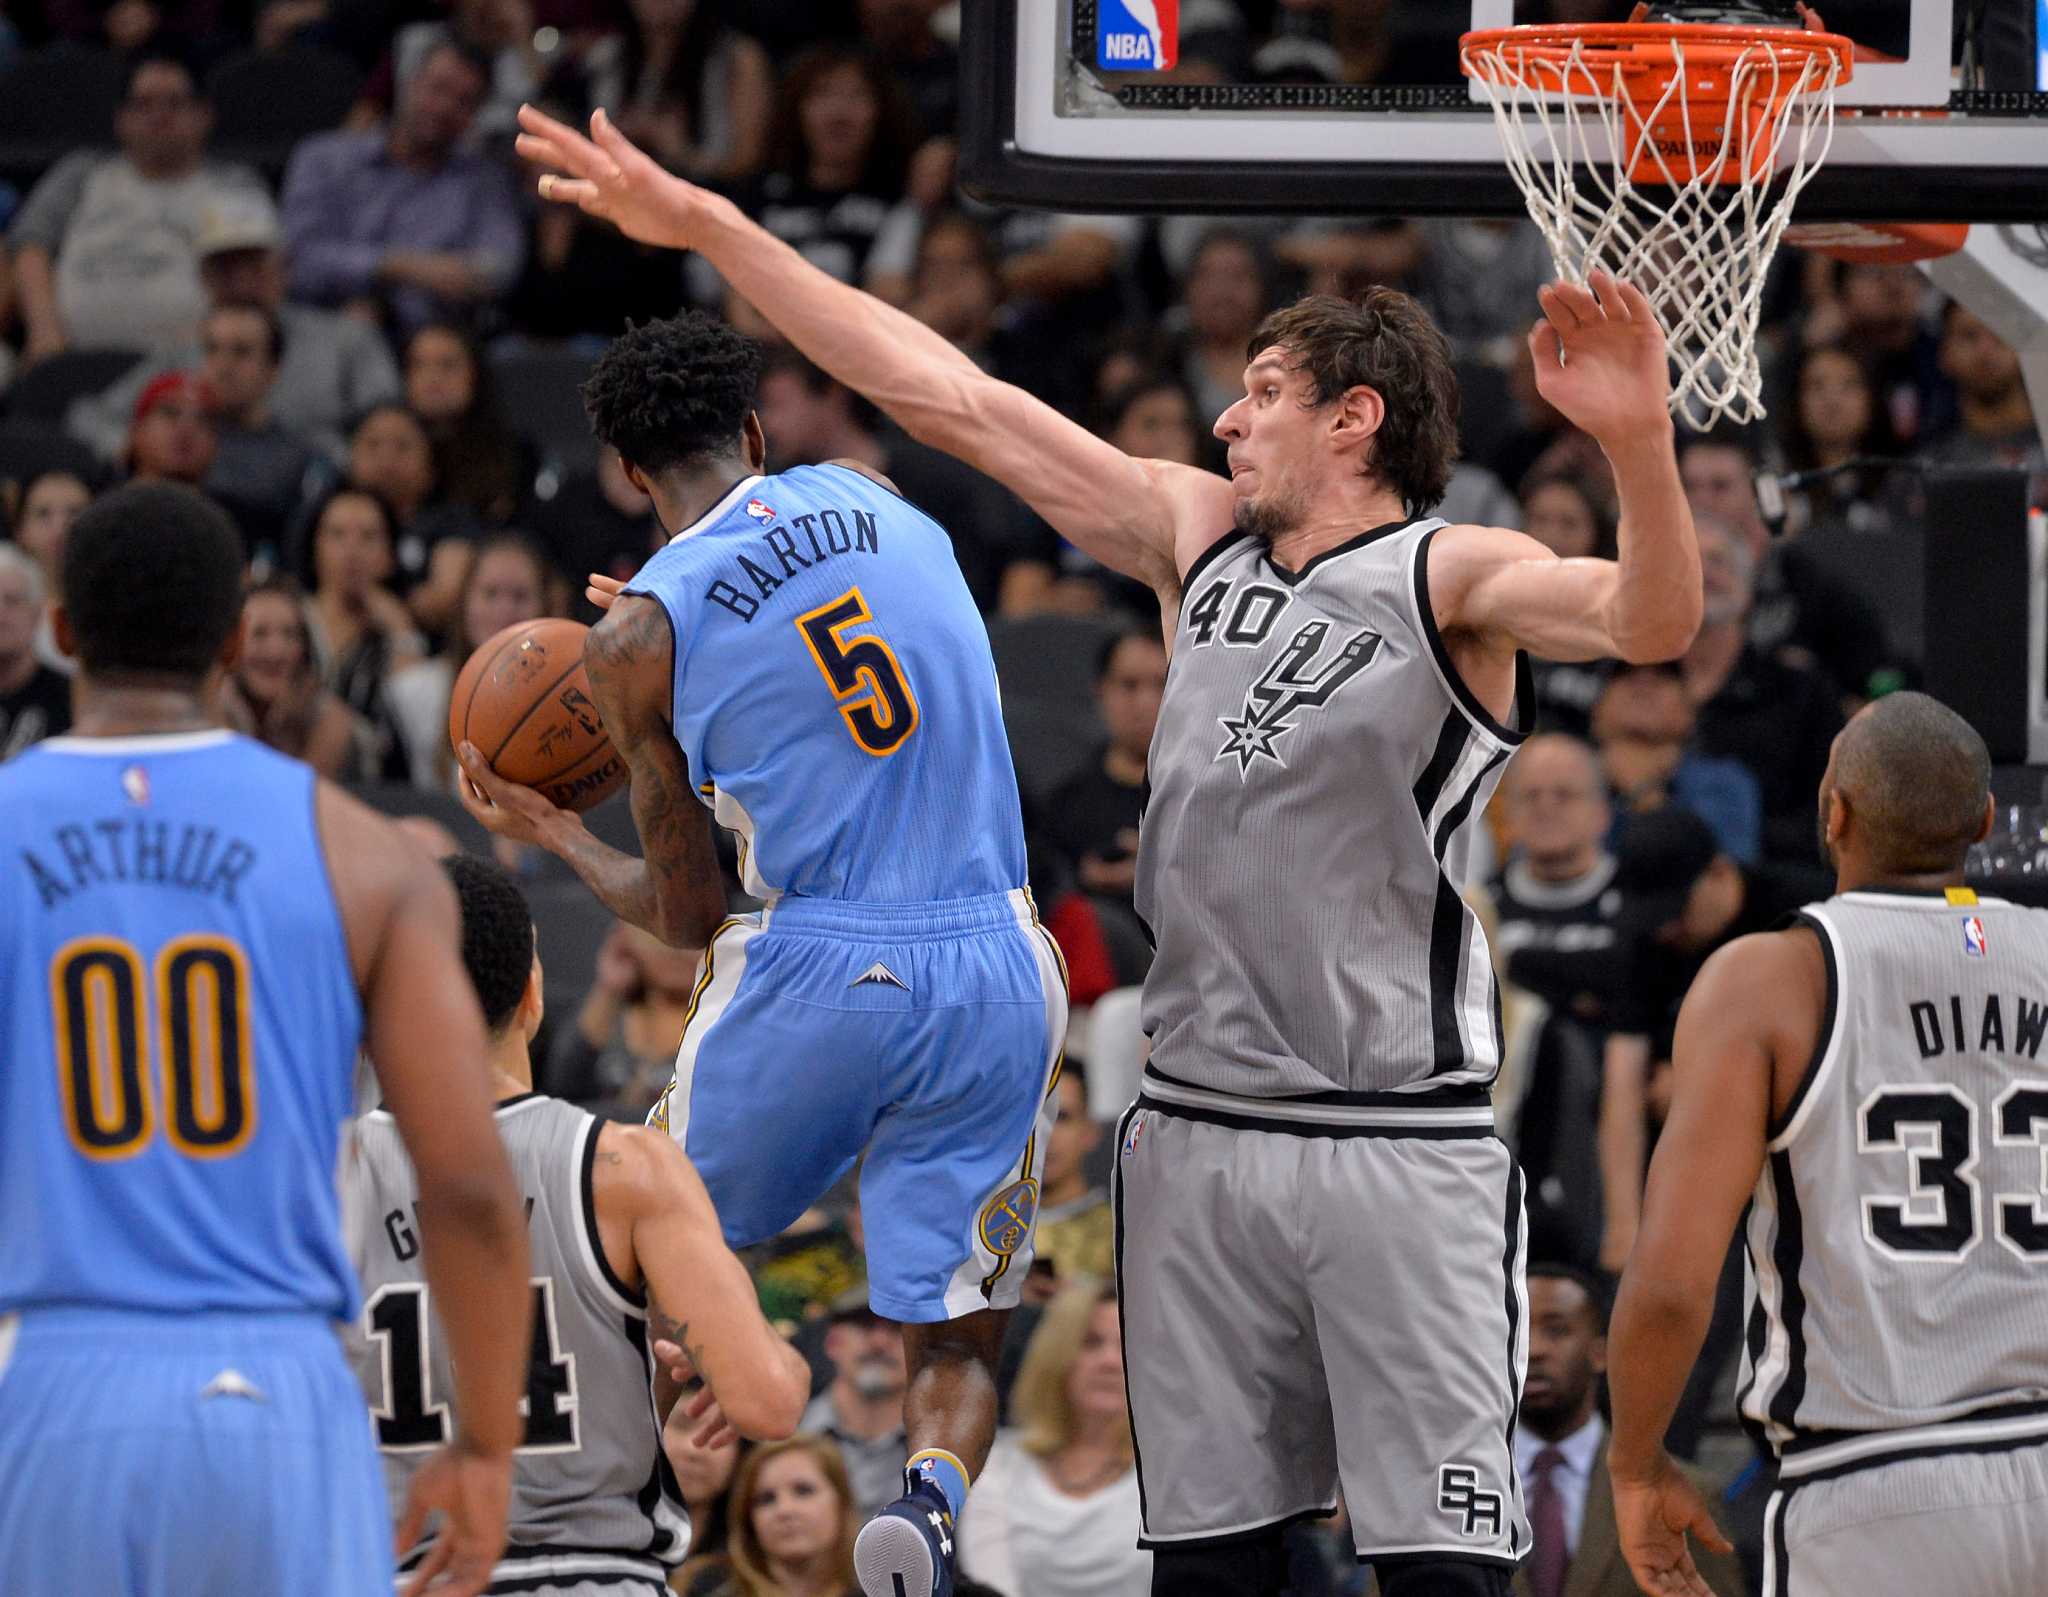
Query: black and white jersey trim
{"type": "Point", "coordinates": [1447, 1112]}
{"type": "Point", "coordinates": [1824, 1455]}
{"type": "Point", "coordinates": [526, 1569]}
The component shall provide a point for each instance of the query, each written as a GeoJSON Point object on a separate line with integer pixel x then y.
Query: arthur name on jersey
{"type": "Point", "coordinates": [809, 540]}
{"type": "Point", "coordinates": [153, 853]}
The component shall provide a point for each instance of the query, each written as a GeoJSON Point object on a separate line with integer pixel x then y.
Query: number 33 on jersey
{"type": "Point", "coordinates": [834, 693]}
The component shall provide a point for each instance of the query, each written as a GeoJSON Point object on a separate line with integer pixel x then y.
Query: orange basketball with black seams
{"type": "Point", "coordinates": [524, 701]}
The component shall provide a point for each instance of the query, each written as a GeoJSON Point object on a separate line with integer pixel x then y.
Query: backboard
{"type": "Point", "coordinates": [1071, 108]}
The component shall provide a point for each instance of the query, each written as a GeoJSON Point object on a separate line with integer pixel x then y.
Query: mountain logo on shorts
{"type": "Point", "coordinates": [879, 974]}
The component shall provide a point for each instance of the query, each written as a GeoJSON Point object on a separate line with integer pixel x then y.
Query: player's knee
{"type": "Point", "coordinates": [1253, 1567]}
{"type": "Point", "coordinates": [1442, 1577]}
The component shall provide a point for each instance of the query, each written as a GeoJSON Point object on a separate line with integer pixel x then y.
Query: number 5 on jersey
{"type": "Point", "coordinates": [874, 696]}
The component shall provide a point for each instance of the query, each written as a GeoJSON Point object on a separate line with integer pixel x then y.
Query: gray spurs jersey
{"type": "Point", "coordinates": [593, 1499]}
{"type": "Point", "coordinates": [1898, 1239]}
{"type": "Point", "coordinates": [1316, 770]}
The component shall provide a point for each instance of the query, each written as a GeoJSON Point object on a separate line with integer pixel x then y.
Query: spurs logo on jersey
{"type": "Point", "coordinates": [1299, 680]}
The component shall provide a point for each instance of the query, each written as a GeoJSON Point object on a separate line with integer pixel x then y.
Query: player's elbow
{"type": "Point", "coordinates": [767, 1411]}
{"type": "Point", "coordinates": [1666, 635]}
{"type": "Point", "coordinates": [689, 920]}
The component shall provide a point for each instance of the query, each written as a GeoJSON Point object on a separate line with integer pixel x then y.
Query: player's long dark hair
{"type": "Point", "coordinates": [1385, 341]}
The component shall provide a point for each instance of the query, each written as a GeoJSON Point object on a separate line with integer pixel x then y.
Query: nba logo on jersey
{"type": "Point", "coordinates": [759, 511]}
{"type": "Point", "coordinates": [1973, 936]}
{"type": "Point", "coordinates": [1138, 35]}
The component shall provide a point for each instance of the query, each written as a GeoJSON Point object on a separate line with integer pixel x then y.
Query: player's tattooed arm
{"type": "Point", "coordinates": [675, 892]}
{"type": "Point", "coordinates": [630, 659]}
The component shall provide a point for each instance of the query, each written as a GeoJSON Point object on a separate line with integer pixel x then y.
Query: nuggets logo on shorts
{"type": "Point", "coordinates": [1006, 1218]}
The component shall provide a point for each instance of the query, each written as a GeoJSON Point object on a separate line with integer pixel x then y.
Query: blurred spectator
{"type": "Point", "coordinates": [35, 701]}
{"type": "Point", "coordinates": [1554, 933]}
{"type": "Point", "coordinates": [402, 219]}
{"type": "Point", "coordinates": [1055, 1512]}
{"type": "Point", "coordinates": [681, 82]}
{"type": "Point", "coordinates": [903, 41]}
{"type": "Point", "coordinates": [498, 31]}
{"type": "Point", "coordinates": [361, 632]}
{"type": "Point", "coordinates": [106, 247]}
{"type": "Point", "coordinates": [1076, 1234]}
{"type": "Point", "coordinates": [958, 293]}
{"type": "Point", "coordinates": [1561, 1450]}
{"type": "Point", "coordinates": [49, 505]}
{"type": "Point", "coordinates": [1834, 417]}
{"type": "Point", "coordinates": [839, 149]}
{"type": "Point", "coordinates": [1560, 512]}
{"type": "Point", "coordinates": [1994, 425]}
{"type": "Point", "coordinates": [391, 455]}
{"type": "Point", "coordinates": [334, 366]}
{"type": "Point", "coordinates": [809, 418]}
{"type": "Point", "coordinates": [507, 583]}
{"type": "Point", "coordinates": [275, 694]}
{"type": "Point", "coordinates": [1792, 601]}
{"type": "Point", "coordinates": [477, 463]}
{"type": "Point", "coordinates": [128, 26]}
{"type": "Point", "coordinates": [861, 1409]}
{"type": "Point", "coordinates": [1554, 903]}
{"type": "Point", "coordinates": [173, 437]}
{"type": "Point", "coordinates": [1479, 279]}
{"type": "Point", "coordinates": [793, 1523]}
{"type": "Point", "coordinates": [1229, 288]}
{"type": "Point", "coordinates": [1643, 723]}
{"type": "Point", "coordinates": [1878, 312]}
{"type": "Point", "coordinates": [704, 1475]}
{"type": "Point", "coordinates": [1772, 712]}
{"type": "Point", "coordinates": [262, 471]}
{"type": "Point", "coordinates": [621, 1052]}
{"type": "Point", "coordinates": [598, 522]}
{"type": "Point", "coordinates": [1093, 819]}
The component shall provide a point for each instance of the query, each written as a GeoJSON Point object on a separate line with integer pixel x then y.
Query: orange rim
{"type": "Point", "coordinates": [1879, 243]}
{"type": "Point", "coordinates": [1651, 51]}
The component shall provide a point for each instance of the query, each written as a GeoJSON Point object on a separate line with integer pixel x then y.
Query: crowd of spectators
{"type": "Point", "coordinates": [364, 345]}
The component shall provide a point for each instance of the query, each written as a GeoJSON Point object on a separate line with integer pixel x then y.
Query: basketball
{"type": "Point", "coordinates": [524, 701]}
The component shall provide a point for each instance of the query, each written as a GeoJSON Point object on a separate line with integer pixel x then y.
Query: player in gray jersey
{"type": "Point", "coordinates": [613, 1211]}
{"type": "Point", "coordinates": [1318, 1231]}
{"type": "Point", "coordinates": [1870, 1083]}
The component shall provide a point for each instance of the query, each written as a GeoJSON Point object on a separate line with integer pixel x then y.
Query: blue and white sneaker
{"type": "Point", "coordinates": [907, 1550]}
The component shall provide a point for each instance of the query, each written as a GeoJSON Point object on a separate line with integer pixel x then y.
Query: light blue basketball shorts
{"type": "Point", "coordinates": [928, 1035]}
{"type": "Point", "coordinates": [158, 1455]}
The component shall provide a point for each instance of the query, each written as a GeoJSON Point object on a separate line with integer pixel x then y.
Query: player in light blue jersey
{"type": "Point", "coordinates": [195, 933]}
{"type": "Point", "coordinates": [803, 662]}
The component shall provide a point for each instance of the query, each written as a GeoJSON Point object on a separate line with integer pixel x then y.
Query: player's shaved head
{"type": "Point", "coordinates": [1916, 778]}
{"type": "Point", "coordinates": [152, 582]}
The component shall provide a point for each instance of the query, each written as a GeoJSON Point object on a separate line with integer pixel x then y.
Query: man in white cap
{"type": "Point", "coordinates": [333, 368]}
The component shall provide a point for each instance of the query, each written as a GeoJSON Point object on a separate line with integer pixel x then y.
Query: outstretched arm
{"type": "Point", "coordinates": [675, 892]}
{"type": "Point", "coordinates": [1611, 381]}
{"type": "Point", "coordinates": [1129, 514]}
{"type": "Point", "coordinates": [650, 1196]}
{"type": "Point", "coordinates": [1706, 1168]}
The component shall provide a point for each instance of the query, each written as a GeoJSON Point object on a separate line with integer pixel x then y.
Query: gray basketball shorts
{"type": "Point", "coordinates": [1963, 1524]}
{"type": "Point", "coordinates": [1309, 1306]}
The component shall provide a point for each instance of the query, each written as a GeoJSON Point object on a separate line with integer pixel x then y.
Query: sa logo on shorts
{"type": "Point", "coordinates": [1006, 1218]}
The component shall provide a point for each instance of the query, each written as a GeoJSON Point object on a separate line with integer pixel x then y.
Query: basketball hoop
{"type": "Point", "coordinates": [1669, 154]}
{"type": "Point", "coordinates": [1879, 243]}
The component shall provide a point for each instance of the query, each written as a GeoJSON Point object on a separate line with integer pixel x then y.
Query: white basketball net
{"type": "Point", "coordinates": [1698, 248]}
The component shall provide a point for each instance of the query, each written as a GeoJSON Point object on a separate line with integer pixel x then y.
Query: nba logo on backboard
{"type": "Point", "coordinates": [1137, 35]}
{"type": "Point", "coordinates": [1973, 936]}
{"type": "Point", "coordinates": [759, 511]}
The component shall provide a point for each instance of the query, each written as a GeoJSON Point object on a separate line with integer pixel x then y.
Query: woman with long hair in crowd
{"type": "Point", "coordinates": [477, 463]}
{"type": "Point", "coordinates": [1837, 415]}
{"type": "Point", "coordinates": [361, 633]}
{"type": "Point", "coordinates": [507, 582]}
{"type": "Point", "coordinates": [49, 504]}
{"type": "Point", "coordinates": [621, 1050]}
{"type": "Point", "coordinates": [792, 1526]}
{"type": "Point", "coordinates": [1055, 1513]}
{"type": "Point", "coordinates": [391, 453]}
{"type": "Point", "coordinates": [1571, 517]}
{"type": "Point", "coordinates": [274, 693]}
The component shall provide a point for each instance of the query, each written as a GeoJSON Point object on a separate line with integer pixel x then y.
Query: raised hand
{"type": "Point", "coordinates": [1614, 374]}
{"type": "Point", "coordinates": [1652, 1518]}
{"type": "Point", "coordinates": [609, 177]}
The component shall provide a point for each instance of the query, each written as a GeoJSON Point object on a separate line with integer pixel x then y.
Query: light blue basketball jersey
{"type": "Point", "coordinates": [178, 1028]}
{"type": "Point", "coordinates": [835, 694]}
